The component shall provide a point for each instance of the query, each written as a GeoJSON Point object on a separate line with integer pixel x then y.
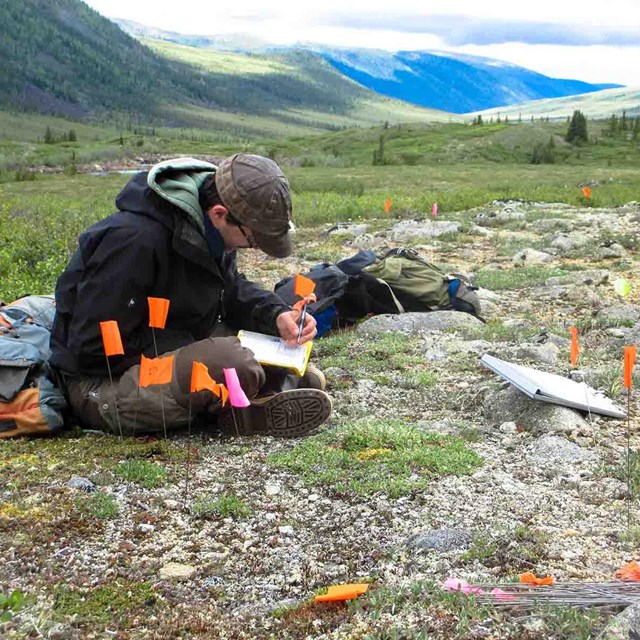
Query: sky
{"type": "Point", "coordinates": [561, 38]}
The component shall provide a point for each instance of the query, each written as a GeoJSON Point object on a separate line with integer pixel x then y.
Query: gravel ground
{"type": "Point", "coordinates": [298, 539]}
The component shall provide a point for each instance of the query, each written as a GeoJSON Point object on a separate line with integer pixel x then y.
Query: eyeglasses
{"type": "Point", "coordinates": [236, 223]}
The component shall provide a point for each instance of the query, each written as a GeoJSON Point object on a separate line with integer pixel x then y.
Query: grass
{"type": "Point", "coordinates": [372, 456]}
{"type": "Point", "coordinates": [10, 604]}
{"type": "Point", "coordinates": [99, 505]}
{"type": "Point", "coordinates": [516, 278]}
{"type": "Point", "coordinates": [227, 506]}
{"type": "Point", "coordinates": [147, 474]}
{"type": "Point", "coordinates": [508, 553]}
{"type": "Point", "coordinates": [117, 601]}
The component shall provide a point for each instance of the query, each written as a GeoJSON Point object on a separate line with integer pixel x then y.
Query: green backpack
{"type": "Point", "coordinates": [419, 285]}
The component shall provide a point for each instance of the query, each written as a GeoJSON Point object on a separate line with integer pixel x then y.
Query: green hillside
{"type": "Point", "coordinates": [62, 58]}
{"type": "Point", "coordinates": [601, 104]}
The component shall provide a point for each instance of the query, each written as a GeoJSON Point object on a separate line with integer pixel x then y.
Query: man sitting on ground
{"type": "Point", "coordinates": [175, 236]}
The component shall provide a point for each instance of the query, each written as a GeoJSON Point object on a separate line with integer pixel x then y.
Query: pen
{"type": "Point", "coordinates": [302, 318]}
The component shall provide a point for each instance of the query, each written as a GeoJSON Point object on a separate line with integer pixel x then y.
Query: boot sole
{"type": "Point", "coordinates": [289, 414]}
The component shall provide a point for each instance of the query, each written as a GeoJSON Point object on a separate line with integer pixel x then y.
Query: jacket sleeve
{"type": "Point", "coordinates": [118, 274]}
{"type": "Point", "coordinates": [247, 305]}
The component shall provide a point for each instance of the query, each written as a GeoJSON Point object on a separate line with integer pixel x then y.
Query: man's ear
{"type": "Point", "coordinates": [217, 214]}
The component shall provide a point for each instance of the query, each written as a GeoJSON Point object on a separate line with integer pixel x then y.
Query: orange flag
{"type": "Point", "coordinates": [155, 371]}
{"type": "Point", "coordinates": [586, 192]}
{"type": "Point", "coordinates": [532, 579]}
{"type": "Point", "coordinates": [158, 310]}
{"type": "Point", "coordinates": [111, 338]}
{"type": "Point", "coordinates": [575, 349]}
{"type": "Point", "coordinates": [342, 592]}
{"type": "Point", "coordinates": [303, 286]}
{"type": "Point", "coordinates": [630, 572]}
{"type": "Point", "coordinates": [629, 363]}
{"type": "Point", "coordinates": [200, 379]}
{"type": "Point", "coordinates": [387, 205]}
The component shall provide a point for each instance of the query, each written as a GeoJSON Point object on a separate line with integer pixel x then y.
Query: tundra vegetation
{"type": "Point", "coordinates": [261, 526]}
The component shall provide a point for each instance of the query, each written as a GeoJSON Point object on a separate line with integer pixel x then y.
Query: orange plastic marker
{"type": "Point", "coordinates": [111, 339]}
{"type": "Point", "coordinates": [158, 311]}
{"type": "Point", "coordinates": [155, 371]}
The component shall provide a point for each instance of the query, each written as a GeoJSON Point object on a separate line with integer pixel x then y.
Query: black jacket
{"type": "Point", "coordinates": [149, 248]}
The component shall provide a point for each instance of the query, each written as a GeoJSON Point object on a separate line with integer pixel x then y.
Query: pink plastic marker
{"type": "Point", "coordinates": [237, 396]}
{"type": "Point", "coordinates": [434, 209]}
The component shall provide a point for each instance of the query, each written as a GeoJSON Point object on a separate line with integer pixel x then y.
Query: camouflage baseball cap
{"type": "Point", "coordinates": [256, 193]}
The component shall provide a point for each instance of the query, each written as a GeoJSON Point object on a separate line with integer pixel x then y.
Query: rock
{"type": "Point", "coordinates": [624, 626]}
{"type": "Point", "coordinates": [491, 218]}
{"type": "Point", "coordinates": [568, 241]}
{"type": "Point", "coordinates": [595, 277]}
{"type": "Point", "coordinates": [272, 488]}
{"type": "Point", "coordinates": [552, 224]}
{"type": "Point", "coordinates": [440, 540]}
{"type": "Point", "coordinates": [544, 353]}
{"type": "Point", "coordinates": [614, 250]}
{"type": "Point", "coordinates": [409, 229]}
{"type": "Point", "coordinates": [176, 571]}
{"type": "Point", "coordinates": [83, 484]}
{"type": "Point", "coordinates": [415, 323]}
{"type": "Point", "coordinates": [172, 504]}
{"type": "Point", "coordinates": [530, 257]}
{"type": "Point", "coordinates": [60, 631]}
{"type": "Point", "coordinates": [476, 230]}
{"type": "Point", "coordinates": [366, 241]}
{"type": "Point", "coordinates": [555, 455]}
{"type": "Point", "coordinates": [512, 405]}
{"type": "Point", "coordinates": [620, 313]}
{"type": "Point", "coordinates": [508, 428]}
{"type": "Point", "coordinates": [285, 530]}
{"type": "Point", "coordinates": [349, 230]}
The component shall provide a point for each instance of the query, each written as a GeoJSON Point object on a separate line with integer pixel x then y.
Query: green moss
{"type": "Point", "coordinates": [116, 601]}
{"type": "Point", "coordinates": [372, 456]}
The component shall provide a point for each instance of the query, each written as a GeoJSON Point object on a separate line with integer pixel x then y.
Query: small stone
{"type": "Point", "coordinates": [508, 428]}
{"type": "Point", "coordinates": [83, 484]}
{"type": "Point", "coordinates": [146, 528]}
{"type": "Point", "coordinates": [171, 504]}
{"type": "Point", "coordinates": [272, 488]}
{"type": "Point", "coordinates": [440, 540]}
{"type": "Point", "coordinates": [286, 530]}
{"type": "Point", "coordinates": [176, 571]}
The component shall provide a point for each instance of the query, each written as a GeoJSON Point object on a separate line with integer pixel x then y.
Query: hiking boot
{"type": "Point", "coordinates": [313, 378]}
{"type": "Point", "coordinates": [288, 414]}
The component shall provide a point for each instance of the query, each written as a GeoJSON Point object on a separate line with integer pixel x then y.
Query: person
{"type": "Point", "coordinates": [175, 236]}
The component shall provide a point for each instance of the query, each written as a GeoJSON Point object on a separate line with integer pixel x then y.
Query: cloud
{"type": "Point", "coordinates": [458, 30]}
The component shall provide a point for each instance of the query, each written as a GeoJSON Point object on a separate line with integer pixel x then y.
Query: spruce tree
{"type": "Point", "coordinates": [577, 131]}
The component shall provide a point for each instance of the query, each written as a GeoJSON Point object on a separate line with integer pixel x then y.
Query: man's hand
{"type": "Point", "coordinates": [289, 325]}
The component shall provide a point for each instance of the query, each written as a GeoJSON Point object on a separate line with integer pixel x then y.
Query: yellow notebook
{"type": "Point", "coordinates": [273, 351]}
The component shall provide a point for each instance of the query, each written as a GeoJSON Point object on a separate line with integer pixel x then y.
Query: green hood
{"type": "Point", "coordinates": [178, 181]}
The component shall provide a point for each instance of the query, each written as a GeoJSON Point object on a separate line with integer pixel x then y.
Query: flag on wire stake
{"type": "Point", "coordinates": [627, 381]}
{"type": "Point", "coordinates": [575, 349]}
{"type": "Point", "coordinates": [387, 206]}
{"type": "Point", "coordinates": [434, 210]}
{"type": "Point", "coordinates": [158, 311]}
{"type": "Point", "coordinates": [237, 397]}
{"type": "Point", "coordinates": [586, 192]}
{"type": "Point", "coordinates": [112, 343]}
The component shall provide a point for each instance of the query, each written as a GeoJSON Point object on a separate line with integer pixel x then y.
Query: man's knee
{"type": "Point", "coordinates": [218, 354]}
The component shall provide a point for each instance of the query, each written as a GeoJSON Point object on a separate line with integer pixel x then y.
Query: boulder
{"type": "Point", "coordinates": [410, 229]}
{"type": "Point", "coordinates": [533, 415]}
{"type": "Point", "coordinates": [624, 626]}
{"type": "Point", "coordinates": [415, 323]}
{"type": "Point", "coordinates": [531, 257]}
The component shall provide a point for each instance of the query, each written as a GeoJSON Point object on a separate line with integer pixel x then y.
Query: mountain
{"type": "Point", "coordinates": [450, 82]}
{"type": "Point", "coordinates": [61, 57]}
{"type": "Point", "coordinates": [445, 81]}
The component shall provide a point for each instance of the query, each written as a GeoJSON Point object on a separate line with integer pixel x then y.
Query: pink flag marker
{"type": "Point", "coordinates": [434, 209]}
{"type": "Point", "coordinates": [237, 396]}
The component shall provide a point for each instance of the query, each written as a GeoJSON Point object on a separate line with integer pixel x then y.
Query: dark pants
{"type": "Point", "coordinates": [126, 407]}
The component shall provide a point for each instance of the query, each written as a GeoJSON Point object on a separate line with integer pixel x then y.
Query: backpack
{"type": "Point", "coordinates": [395, 282]}
{"type": "Point", "coordinates": [30, 402]}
